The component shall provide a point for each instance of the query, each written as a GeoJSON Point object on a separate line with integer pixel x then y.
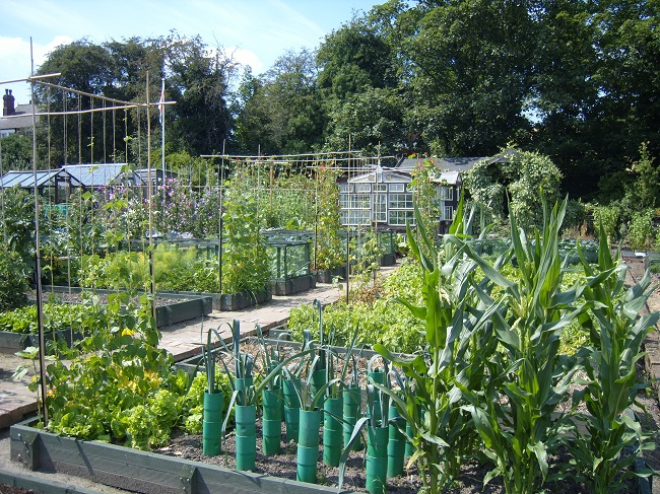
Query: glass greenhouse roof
{"type": "Point", "coordinates": [26, 179]}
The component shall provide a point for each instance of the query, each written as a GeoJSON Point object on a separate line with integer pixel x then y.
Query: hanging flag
{"type": "Point", "coordinates": [161, 104]}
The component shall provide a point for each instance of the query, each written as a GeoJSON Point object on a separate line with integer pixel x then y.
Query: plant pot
{"type": "Point", "coordinates": [212, 423]}
{"type": "Point", "coordinates": [242, 384]}
{"type": "Point", "coordinates": [243, 299]}
{"type": "Point", "coordinates": [352, 403]}
{"type": "Point", "coordinates": [378, 376]}
{"type": "Point", "coordinates": [289, 286]}
{"type": "Point", "coordinates": [272, 421]}
{"type": "Point", "coordinates": [291, 410]}
{"type": "Point", "coordinates": [410, 449]}
{"type": "Point", "coordinates": [246, 437]}
{"type": "Point", "coordinates": [332, 431]}
{"type": "Point", "coordinates": [308, 445]}
{"type": "Point", "coordinates": [319, 378]}
{"type": "Point", "coordinates": [395, 447]}
{"type": "Point", "coordinates": [377, 438]}
{"type": "Point", "coordinates": [63, 334]}
{"type": "Point", "coordinates": [388, 260]}
{"type": "Point", "coordinates": [232, 302]}
{"type": "Point", "coordinates": [327, 275]}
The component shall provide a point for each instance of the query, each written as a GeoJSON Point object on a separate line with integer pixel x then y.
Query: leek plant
{"type": "Point", "coordinates": [271, 398]}
{"type": "Point", "coordinates": [290, 382]}
{"type": "Point", "coordinates": [213, 429]}
{"type": "Point", "coordinates": [319, 370]}
{"type": "Point", "coordinates": [377, 425]}
{"type": "Point", "coordinates": [245, 396]}
{"type": "Point", "coordinates": [310, 420]}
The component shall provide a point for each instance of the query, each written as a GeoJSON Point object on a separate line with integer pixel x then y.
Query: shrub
{"type": "Point", "coordinates": [13, 281]}
{"type": "Point", "coordinates": [640, 230]}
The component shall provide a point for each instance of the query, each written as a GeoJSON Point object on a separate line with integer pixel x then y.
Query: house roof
{"type": "Point", "coordinates": [95, 175]}
{"type": "Point", "coordinates": [450, 177]}
{"type": "Point", "coordinates": [444, 164]}
{"type": "Point", "coordinates": [385, 175]}
{"type": "Point", "coordinates": [21, 119]}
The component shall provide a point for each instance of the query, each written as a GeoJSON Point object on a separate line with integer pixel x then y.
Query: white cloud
{"type": "Point", "coordinates": [14, 51]}
{"type": "Point", "coordinates": [41, 51]}
{"type": "Point", "coordinates": [15, 61]}
{"type": "Point", "coordinates": [295, 18]}
{"type": "Point", "coordinates": [246, 57]}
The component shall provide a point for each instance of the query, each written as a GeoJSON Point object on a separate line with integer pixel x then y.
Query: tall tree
{"type": "Point", "coordinates": [564, 92]}
{"type": "Point", "coordinates": [470, 74]}
{"type": "Point", "coordinates": [358, 83]}
{"type": "Point", "coordinates": [282, 113]}
{"type": "Point", "coordinates": [85, 67]}
{"type": "Point", "coordinates": [199, 79]}
{"type": "Point", "coordinates": [16, 152]}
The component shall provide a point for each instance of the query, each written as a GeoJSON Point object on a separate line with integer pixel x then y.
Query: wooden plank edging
{"type": "Point", "coordinates": [140, 471]}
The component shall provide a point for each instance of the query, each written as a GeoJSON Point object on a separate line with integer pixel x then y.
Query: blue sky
{"type": "Point", "coordinates": [256, 32]}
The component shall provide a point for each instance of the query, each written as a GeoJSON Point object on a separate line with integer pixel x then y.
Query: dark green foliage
{"type": "Point", "coordinates": [16, 152]}
{"type": "Point", "coordinates": [13, 281]}
{"type": "Point", "coordinates": [281, 111]}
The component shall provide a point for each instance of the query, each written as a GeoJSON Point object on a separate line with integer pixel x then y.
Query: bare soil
{"type": "Point", "coordinates": [8, 489]}
{"type": "Point", "coordinates": [283, 465]}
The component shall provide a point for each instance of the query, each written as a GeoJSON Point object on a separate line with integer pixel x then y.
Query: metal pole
{"type": "Point", "coordinates": [162, 132]}
{"type": "Point", "coordinates": [222, 184]}
{"type": "Point", "coordinates": [2, 198]}
{"type": "Point", "coordinates": [348, 250]}
{"type": "Point", "coordinates": [316, 222]}
{"type": "Point", "coordinates": [152, 284]}
{"type": "Point", "coordinates": [37, 254]}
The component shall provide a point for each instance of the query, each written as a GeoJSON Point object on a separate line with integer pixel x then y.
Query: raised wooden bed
{"type": "Point", "coordinates": [138, 471]}
{"type": "Point", "coordinates": [327, 275]}
{"type": "Point", "coordinates": [229, 301]}
{"type": "Point", "coordinates": [184, 306]}
{"type": "Point", "coordinates": [293, 285]}
{"type": "Point", "coordinates": [12, 342]}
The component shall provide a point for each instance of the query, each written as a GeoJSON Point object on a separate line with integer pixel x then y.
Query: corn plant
{"type": "Point", "coordinates": [610, 387]}
{"type": "Point", "coordinates": [514, 413]}
{"type": "Point", "coordinates": [458, 337]}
